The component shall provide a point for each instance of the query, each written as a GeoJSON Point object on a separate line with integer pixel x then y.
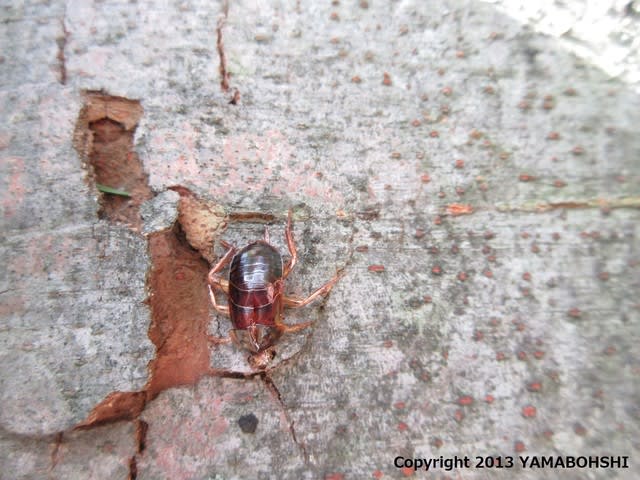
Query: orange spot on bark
{"type": "Point", "coordinates": [456, 209]}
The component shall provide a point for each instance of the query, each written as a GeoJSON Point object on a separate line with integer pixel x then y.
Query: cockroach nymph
{"type": "Point", "coordinates": [255, 295]}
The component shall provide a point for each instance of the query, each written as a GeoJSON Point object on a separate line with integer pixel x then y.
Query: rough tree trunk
{"type": "Point", "coordinates": [477, 182]}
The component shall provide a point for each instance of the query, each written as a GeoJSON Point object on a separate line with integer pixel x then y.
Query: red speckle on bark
{"type": "Point", "coordinates": [488, 273]}
{"type": "Point", "coordinates": [525, 177]}
{"type": "Point", "coordinates": [553, 136]}
{"type": "Point", "coordinates": [489, 398]}
{"type": "Point", "coordinates": [458, 415]}
{"type": "Point", "coordinates": [334, 476]}
{"type": "Point", "coordinates": [478, 335]}
{"type": "Point", "coordinates": [529, 411]}
{"type": "Point", "coordinates": [386, 79]}
{"type": "Point", "coordinates": [559, 183]}
{"type": "Point", "coordinates": [577, 150]}
{"type": "Point", "coordinates": [403, 427]}
{"type": "Point", "coordinates": [538, 354]}
{"type": "Point", "coordinates": [436, 270]}
{"type": "Point", "coordinates": [579, 429]}
{"type": "Point", "coordinates": [465, 400]}
{"type": "Point", "coordinates": [399, 405]}
{"type": "Point", "coordinates": [522, 355]}
{"type": "Point", "coordinates": [434, 134]}
{"type": "Point", "coordinates": [548, 104]}
{"type": "Point", "coordinates": [376, 268]}
{"type": "Point", "coordinates": [457, 209]}
{"type": "Point", "coordinates": [459, 163]}
{"type": "Point", "coordinates": [378, 474]}
{"type": "Point", "coordinates": [604, 276]}
{"type": "Point", "coordinates": [500, 356]}
{"type": "Point", "coordinates": [447, 91]}
{"type": "Point", "coordinates": [425, 178]}
{"type": "Point", "coordinates": [524, 105]}
{"type": "Point", "coordinates": [519, 447]}
{"type": "Point", "coordinates": [526, 276]}
{"type": "Point", "coordinates": [387, 344]}
{"type": "Point", "coordinates": [462, 276]}
{"type": "Point", "coordinates": [574, 313]}
{"type": "Point", "coordinates": [407, 471]}
{"type": "Point", "coordinates": [534, 386]}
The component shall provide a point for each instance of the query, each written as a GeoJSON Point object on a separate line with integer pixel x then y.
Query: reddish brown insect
{"type": "Point", "coordinates": [256, 298]}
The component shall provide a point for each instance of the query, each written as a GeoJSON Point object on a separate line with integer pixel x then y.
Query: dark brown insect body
{"type": "Point", "coordinates": [255, 295]}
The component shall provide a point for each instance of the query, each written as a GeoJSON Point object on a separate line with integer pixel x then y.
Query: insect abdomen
{"type": "Point", "coordinates": [255, 286]}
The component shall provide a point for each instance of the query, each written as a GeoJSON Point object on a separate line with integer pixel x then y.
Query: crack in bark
{"type": "Point", "coordinates": [275, 393]}
{"type": "Point", "coordinates": [222, 68]}
{"type": "Point", "coordinates": [224, 74]}
{"type": "Point", "coordinates": [56, 450]}
{"type": "Point", "coordinates": [141, 443]}
{"type": "Point", "coordinates": [133, 468]}
{"type": "Point", "coordinates": [60, 56]}
{"type": "Point", "coordinates": [624, 202]}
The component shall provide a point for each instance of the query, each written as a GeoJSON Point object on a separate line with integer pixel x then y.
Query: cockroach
{"type": "Point", "coordinates": [255, 295]}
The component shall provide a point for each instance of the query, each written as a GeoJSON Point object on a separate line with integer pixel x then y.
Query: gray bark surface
{"type": "Point", "coordinates": [476, 180]}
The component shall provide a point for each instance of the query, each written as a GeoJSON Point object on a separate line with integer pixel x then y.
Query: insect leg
{"type": "Point", "coordinates": [219, 340]}
{"type": "Point", "coordinates": [232, 338]}
{"type": "Point", "coordinates": [291, 244]}
{"type": "Point", "coordinates": [284, 328]}
{"type": "Point", "coordinates": [226, 258]}
{"type": "Point", "coordinates": [296, 302]}
{"type": "Point", "coordinates": [223, 309]}
{"type": "Point", "coordinates": [216, 282]}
